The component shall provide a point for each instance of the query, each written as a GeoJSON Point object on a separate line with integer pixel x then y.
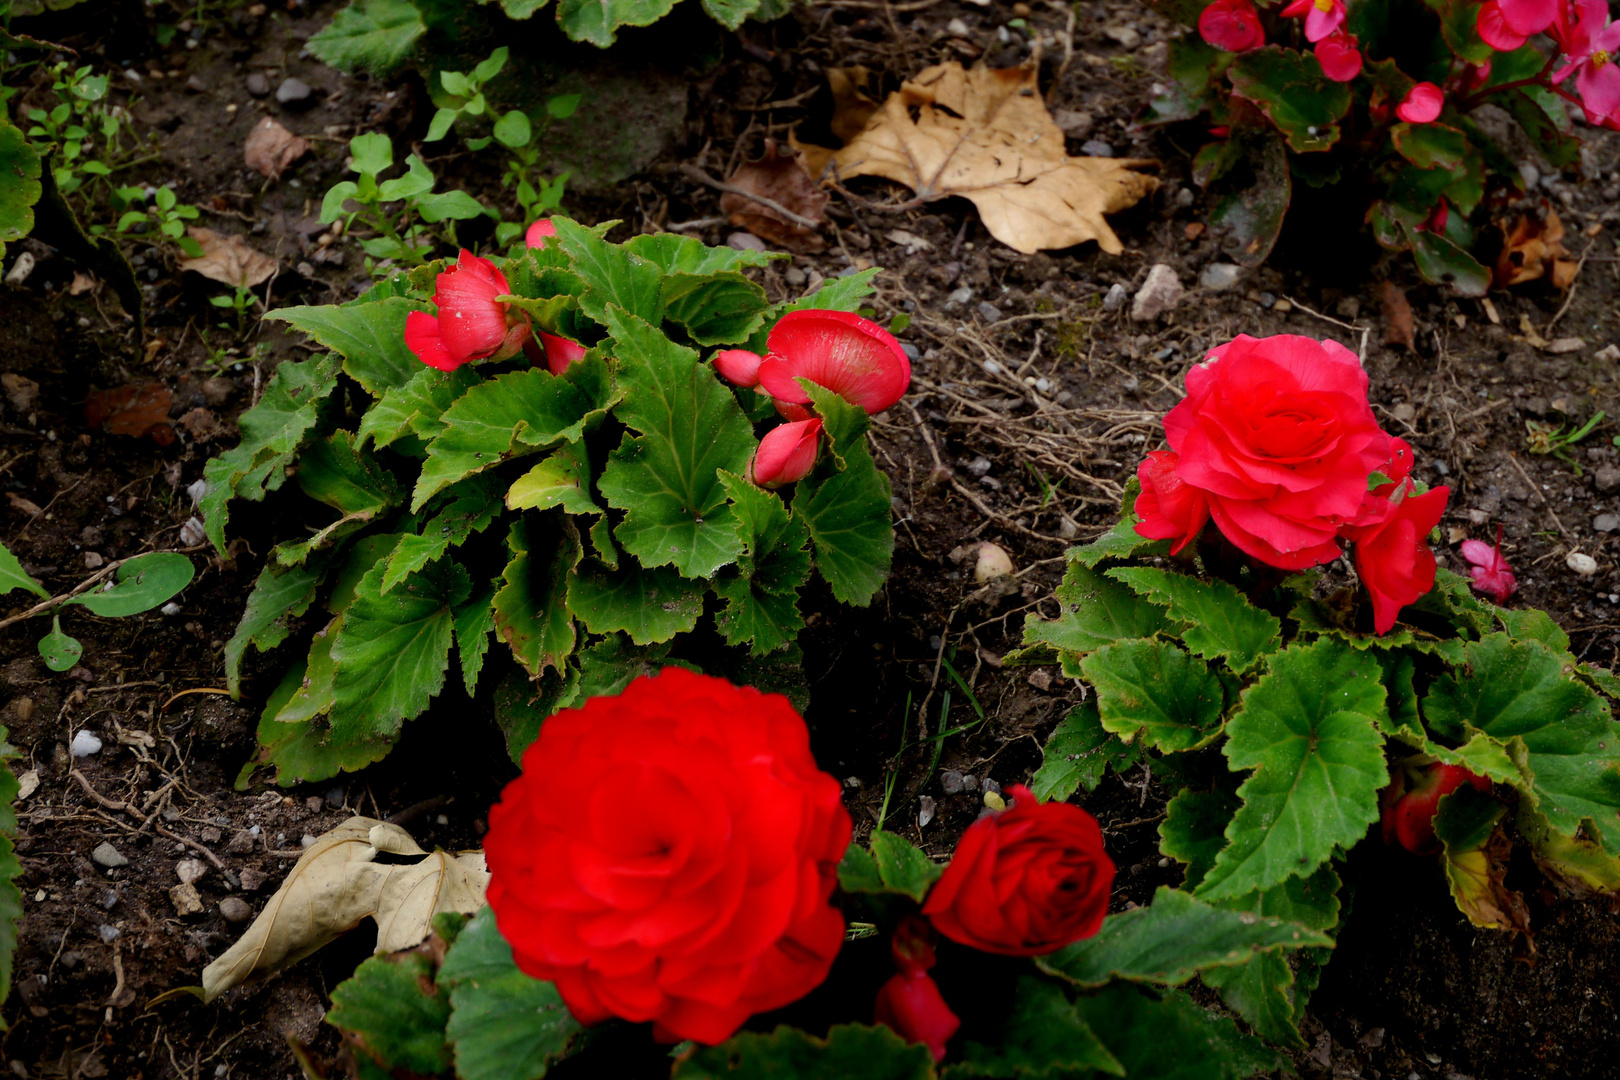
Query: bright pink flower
{"type": "Point", "coordinates": [560, 352]}
{"type": "Point", "coordinates": [853, 357]}
{"type": "Point", "coordinates": [1592, 46]}
{"type": "Point", "coordinates": [1277, 435]}
{"type": "Point", "coordinates": [1339, 57]}
{"type": "Point", "coordinates": [1168, 508]}
{"type": "Point", "coordinates": [1322, 17]}
{"type": "Point", "coordinates": [1528, 17]}
{"type": "Point", "coordinates": [1421, 104]}
{"type": "Point", "coordinates": [1494, 30]}
{"type": "Point", "coordinates": [1232, 25]}
{"type": "Point", "coordinates": [471, 324]}
{"type": "Point", "coordinates": [1393, 557]}
{"type": "Point", "coordinates": [539, 232]}
{"type": "Point", "coordinates": [785, 454]}
{"type": "Point", "coordinates": [1491, 572]}
{"type": "Point", "coordinates": [738, 366]}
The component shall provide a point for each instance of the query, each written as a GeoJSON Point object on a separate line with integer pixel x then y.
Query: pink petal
{"type": "Point", "coordinates": [851, 356]}
{"type": "Point", "coordinates": [785, 454]}
{"type": "Point", "coordinates": [471, 324]}
{"type": "Point", "coordinates": [1528, 16]}
{"type": "Point", "coordinates": [1320, 24]}
{"type": "Point", "coordinates": [1494, 30]}
{"type": "Point", "coordinates": [560, 352]}
{"type": "Point", "coordinates": [1422, 104]}
{"type": "Point", "coordinates": [1599, 87]}
{"type": "Point", "coordinates": [1477, 552]}
{"type": "Point", "coordinates": [1339, 57]}
{"type": "Point", "coordinates": [539, 232]}
{"type": "Point", "coordinates": [738, 366]}
{"type": "Point", "coordinates": [422, 338]}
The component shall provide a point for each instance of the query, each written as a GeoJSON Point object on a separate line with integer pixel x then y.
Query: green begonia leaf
{"type": "Point", "coordinates": [1043, 1036]}
{"type": "Point", "coordinates": [1153, 687]}
{"type": "Point", "coordinates": [471, 507]}
{"type": "Point", "coordinates": [666, 477]}
{"type": "Point", "coordinates": [1430, 145]}
{"type": "Point", "coordinates": [369, 337]}
{"type": "Point", "coordinates": [762, 594]}
{"type": "Point", "coordinates": [1541, 114]}
{"type": "Point", "coordinates": [1172, 1037]}
{"type": "Point", "coordinates": [1194, 67]}
{"type": "Point", "coordinates": [1533, 624]}
{"type": "Point", "coordinates": [730, 13]}
{"type": "Point", "coordinates": [1220, 621]}
{"type": "Point", "coordinates": [1261, 991]}
{"type": "Point", "coordinates": [1289, 87]}
{"type": "Point", "coordinates": [562, 479]}
{"type": "Point", "coordinates": [504, 1025]}
{"type": "Point", "coordinates": [677, 254]}
{"type": "Point", "coordinates": [522, 706]}
{"type": "Point", "coordinates": [1248, 204]}
{"type": "Point", "coordinates": [902, 867]}
{"type": "Point", "coordinates": [849, 1052]}
{"type": "Point", "coordinates": [336, 472]}
{"type": "Point", "coordinates": [716, 308]}
{"type": "Point", "coordinates": [1308, 729]}
{"type": "Point", "coordinates": [394, 1015]}
{"type": "Point", "coordinates": [1096, 611]}
{"type": "Point", "coordinates": [1194, 830]}
{"type": "Point", "coordinates": [1079, 752]}
{"type": "Point", "coordinates": [279, 596]}
{"type": "Point", "coordinates": [415, 408]}
{"type": "Point", "coordinates": [19, 183]}
{"type": "Point", "coordinates": [531, 614]}
{"type": "Point", "coordinates": [650, 605]}
{"type": "Point", "coordinates": [1171, 940]}
{"type": "Point", "coordinates": [474, 622]}
{"type": "Point", "coordinates": [1475, 858]}
{"type": "Point", "coordinates": [373, 35]}
{"type": "Point", "coordinates": [613, 274]}
{"type": "Point", "coordinates": [1122, 541]}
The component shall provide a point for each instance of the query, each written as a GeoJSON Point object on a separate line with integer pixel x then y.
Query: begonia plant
{"type": "Point", "coordinates": [1287, 707]}
{"type": "Point", "coordinates": [1382, 97]}
{"type": "Point", "coordinates": [534, 450]}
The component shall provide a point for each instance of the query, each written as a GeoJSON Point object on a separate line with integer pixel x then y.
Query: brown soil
{"type": "Point", "coordinates": [977, 453]}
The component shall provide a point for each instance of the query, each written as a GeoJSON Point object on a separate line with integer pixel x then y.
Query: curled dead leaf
{"type": "Point", "coordinates": [271, 148]}
{"type": "Point", "coordinates": [1399, 327]}
{"type": "Point", "coordinates": [778, 175]}
{"type": "Point", "coordinates": [984, 135]}
{"type": "Point", "coordinates": [1534, 249]}
{"type": "Point", "coordinates": [135, 410]}
{"type": "Point", "coordinates": [228, 259]}
{"type": "Point", "coordinates": [336, 884]}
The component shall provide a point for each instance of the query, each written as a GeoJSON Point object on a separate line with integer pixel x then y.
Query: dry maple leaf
{"type": "Point", "coordinates": [228, 260]}
{"type": "Point", "coordinates": [336, 884]}
{"type": "Point", "coordinates": [1534, 249]}
{"type": "Point", "coordinates": [135, 410]}
{"type": "Point", "coordinates": [985, 135]}
{"type": "Point", "coordinates": [271, 148]}
{"type": "Point", "coordinates": [781, 177]}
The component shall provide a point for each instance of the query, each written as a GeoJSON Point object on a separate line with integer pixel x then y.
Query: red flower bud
{"type": "Point", "coordinates": [1422, 104]}
{"type": "Point", "coordinates": [470, 324]}
{"type": "Point", "coordinates": [560, 351]}
{"type": "Point", "coordinates": [738, 366]}
{"type": "Point", "coordinates": [1339, 57]}
{"type": "Point", "coordinates": [911, 1004]}
{"type": "Point", "coordinates": [785, 454]}
{"type": "Point", "coordinates": [539, 232]}
{"type": "Point", "coordinates": [1408, 814]}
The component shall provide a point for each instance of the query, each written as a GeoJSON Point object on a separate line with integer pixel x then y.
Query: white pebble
{"type": "Point", "coordinates": [171, 608]}
{"type": "Point", "coordinates": [926, 813]}
{"type": "Point", "coordinates": [84, 744]}
{"type": "Point", "coordinates": [992, 368]}
{"type": "Point", "coordinates": [1581, 563]}
{"type": "Point", "coordinates": [191, 533]}
{"type": "Point", "coordinates": [196, 490]}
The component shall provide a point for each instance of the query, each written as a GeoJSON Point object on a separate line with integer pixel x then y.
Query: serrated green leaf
{"type": "Point", "coordinates": [279, 596]}
{"type": "Point", "coordinates": [613, 274]}
{"type": "Point", "coordinates": [20, 188]}
{"type": "Point", "coordinates": [1290, 89]}
{"type": "Point", "coordinates": [395, 1014]}
{"type": "Point", "coordinates": [417, 407]}
{"type": "Point", "coordinates": [143, 583]}
{"type": "Point", "coordinates": [1520, 690]}
{"type": "Point", "coordinates": [1043, 1036]}
{"type": "Point", "coordinates": [371, 35]}
{"type": "Point", "coordinates": [531, 615]}
{"type": "Point", "coordinates": [1172, 1037]}
{"type": "Point", "coordinates": [901, 866]}
{"type": "Point", "coordinates": [1261, 992]}
{"type": "Point", "coordinates": [1096, 611]}
{"type": "Point", "coordinates": [336, 472]}
{"type": "Point", "coordinates": [858, 871]}
{"type": "Point", "coordinates": [1453, 599]}
{"type": "Point", "coordinates": [849, 1052]}
{"type": "Point", "coordinates": [521, 412]}
{"type": "Point", "coordinates": [1171, 940]}
{"type": "Point", "coordinates": [1308, 729]}
{"type": "Point", "coordinates": [762, 594]}
{"type": "Point", "coordinates": [1195, 68]}
{"type": "Point", "coordinates": [59, 651]}
{"type": "Point", "coordinates": [472, 506]}
{"type": "Point", "coordinates": [562, 479]}
{"type": "Point", "coordinates": [504, 1025]}
{"type": "Point", "coordinates": [1533, 624]}
{"type": "Point", "coordinates": [1078, 754]}
{"type": "Point", "coordinates": [1577, 864]}
{"type": "Point", "coordinates": [13, 576]}
{"type": "Point", "coordinates": [677, 254]}
{"type": "Point", "coordinates": [715, 308]}
{"type": "Point", "coordinates": [1174, 700]}
{"type": "Point", "coordinates": [1122, 541]}
{"type": "Point", "coordinates": [473, 622]}
{"type": "Point", "coordinates": [666, 477]}
{"type": "Point", "coordinates": [369, 337]}
{"type": "Point", "coordinates": [650, 605]}
{"type": "Point", "coordinates": [846, 502]}
{"type": "Point", "coordinates": [522, 705]}
{"type": "Point", "coordinates": [1541, 114]}
{"type": "Point", "coordinates": [272, 433]}
{"type": "Point", "coordinates": [730, 13]}
{"type": "Point", "coordinates": [1194, 830]}
{"type": "Point", "coordinates": [1221, 622]}
{"type": "Point", "coordinates": [1430, 145]}
{"type": "Point", "coordinates": [1400, 719]}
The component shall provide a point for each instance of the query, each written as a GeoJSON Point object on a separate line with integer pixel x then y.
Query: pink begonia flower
{"type": "Point", "coordinates": [1168, 507]}
{"type": "Point", "coordinates": [1393, 557]}
{"type": "Point", "coordinates": [738, 366]}
{"type": "Point", "coordinates": [560, 351]}
{"type": "Point", "coordinates": [1528, 17]}
{"type": "Point", "coordinates": [1593, 51]}
{"type": "Point", "coordinates": [853, 357]}
{"type": "Point", "coordinates": [539, 233]}
{"type": "Point", "coordinates": [471, 324]}
{"type": "Point", "coordinates": [1494, 30]}
{"type": "Point", "coordinates": [1339, 57]}
{"type": "Point", "coordinates": [1436, 221]}
{"type": "Point", "coordinates": [1322, 17]}
{"type": "Point", "coordinates": [1232, 26]}
{"type": "Point", "coordinates": [1491, 572]}
{"type": "Point", "coordinates": [785, 454]}
{"type": "Point", "coordinates": [1422, 104]}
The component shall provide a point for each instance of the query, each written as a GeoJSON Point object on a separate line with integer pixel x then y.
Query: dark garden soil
{"type": "Point", "coordinates": [1031, 405]}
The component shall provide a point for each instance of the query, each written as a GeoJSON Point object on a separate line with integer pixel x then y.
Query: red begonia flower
{"type": "Point", "coordinates": [1339, 57]}
{"type": "Point", "coordinates": [1168, 508]}
{"type": "Point", "coordinates": [1422, 104]}
{"type": "Point", "coordinates": [541, 231]}
{"type": "Point", "coordinates": [1393, 557]}
{"type": "Point", "coordinates": [911, 1004]}
{"type": "Point", "coordinates": [1408, 812]}
{"type": "Point", "coordinates": [785, 454]}
{"type": "Point", "coordinates": [1592, 46]}
{"type": "Point", "coordinates": [738, 366]}
{"type": "Point", "coordinates": [1322, 17]}
{"type": "Point", "coordinates": [1232, 25]}
{"type": "Point", "coordinates": [853, 357]}
{"type": "Point", "coordinates": [470, 324]}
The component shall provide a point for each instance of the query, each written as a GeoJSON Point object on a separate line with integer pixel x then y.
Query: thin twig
{"type": "Point", "coordinates": [1514, 458]}
{"type": "Point", "coordinates": [1569, 297]}
{"type": "Point", "coordinates": [702, 177]}
{"type": "Point", "coordinates": [1307, 309]}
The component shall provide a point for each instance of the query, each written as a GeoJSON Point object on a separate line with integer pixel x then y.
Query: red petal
{"type": "Point", "coordinates": [851, 356]}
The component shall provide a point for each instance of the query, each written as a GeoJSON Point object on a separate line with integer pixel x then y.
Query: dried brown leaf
{"type": "Point", "coordinates": [779, 176]}
{"type": "Point", "coordinates": [1534, 249]}
{"type": "Point", "coordinates": [1476, 877]}
{"type": "Point", "coordinates": [1399, 326]}
{"type": "Point", "coordinates": [20, 390]}
{"type": "Point", "coordinates": [228, 259]}
{"type": "Point", "coordinates": [271, 148]}
{"type": "Point", "coordinates": [984, 135]}
{"type": "Point", "coordinates": [22, 505]}
{"type": "Point", "coordinates": [81, 284]}
{"type": "Point", "coordinates": [136, 410]}
{"type": "Point", "coordinates": [336, 884]}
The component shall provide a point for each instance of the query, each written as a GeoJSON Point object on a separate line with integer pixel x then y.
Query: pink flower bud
{"type": "Point", "coordinates": [539, 232]}
{"type": "Point", "coordinates": [1339, 57]}
{"type": "Point", "coordinates": [853, 357]}
{"type": "Point", "coordinates": [560, 352]}
{"type": "Point", "coordinates": [1232, 26]}
{"type": "Point", "coordinates": [1494, 30]}
{"type": "Point", "coordinates": [738, 366]}
{"type": "Point", "coordinates": [470, 324]}
{"type": "Point", "coordinates": [1421, 104]}
{"type": "Point", "coordinates": [785, 454]}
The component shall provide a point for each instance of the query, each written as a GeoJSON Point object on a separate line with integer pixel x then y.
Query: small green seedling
{"type": "Point", "coordinates": [140, 584]}
{"type": "Point", "coordinates": [75, 124]}
{"type": "Point", "coordinates": [1546, 439]}
{"type": "Point", "coordinates": [241, 302]}
{"type": "Point", "coordinates": [398, 210]}
{"type": "Point", "coordinates": [161, 212]}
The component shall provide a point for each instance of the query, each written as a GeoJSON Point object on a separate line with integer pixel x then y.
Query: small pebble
{"type": "Point", "coordinates": [911, 351]}
{"type": "Point", "coordinates": [1096, 148]}
{"type": "Point", "coordinates": [744, 241]}
{"type": "Point", "coordinates": [191, 533]}
{"type": "Point", "coordinates": [84, 745]}
{"type": "Point", "coordinates": [795, 276]}
{"type": "Point", "coordinates": [1606, 522]}
{"type": "Point", "coordinates": [926, 813]}
{"type": "Point", "coordinates": [292, 91]}
{"type": "Point", "coordinates": [252, 880]}
{"type": "Point", "coordinates": [108, 856]}
{"type": "Point", "coordinates": [189, 870]}
{"type": "Point", "coordinates": [1127, 36]}
{"type": "Point", "coordinates": [109, 899]}
{"type": "Point", "coordinates": [171, 608]}
{"type": "Point", "coordinates": [989, 312]}
{"type": "Point", "coordinates": [186, 900]}
{"type": "Point", "coordinates": [1218, 276]}
{"type": "Point", "coordinates": [1581, 563]}
{"type": "Point", "coordinates": [235, 909]}
{"type": "Point", "coordinates": [110, 934]}
{"type": "Point", "coordinates": [970, 782]}
{"type": "Point", "coordinates": [1606, 478]}
{"type": "Point", "coordinates": [1159, 293]}
{"type": "Point", "coordinates": [994, 801]}
{"type": "Point", "coordinates": [256, 84]}
{"type": "Point", "coordinates": [1116, 297]}
{"type": "Point", "coordinates": [960, 296]}
{"type": "Point", "coordinates": [979, 466]}
{"type": "Point", "coordinates": [990, 785]}
{"type": "Point", "coordinates": [1074, 123]}
{"type": "Point", "coordinates": [950, 781]}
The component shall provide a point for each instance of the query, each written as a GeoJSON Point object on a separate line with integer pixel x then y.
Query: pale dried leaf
{"type": "Point", "coordinates": [985, 135]}
{"type": "Point", "coordinates": [1399, 326]}
{"type": "Point", "coordinates": [336, 884]}
{"type": "Point", "coordinates": [228, 260]}
{"type": "Point", "coordinates": [81, 284]}
{"type": "Point", "coordinates": [1534, 249]}
{"type": "Point", "coordinates": [779, 176]}
{"type": "Point", "coordinates": [271, 148]}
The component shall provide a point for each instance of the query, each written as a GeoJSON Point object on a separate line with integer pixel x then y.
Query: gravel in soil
{"type": "Point", "coordinates": [1036, 393]}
